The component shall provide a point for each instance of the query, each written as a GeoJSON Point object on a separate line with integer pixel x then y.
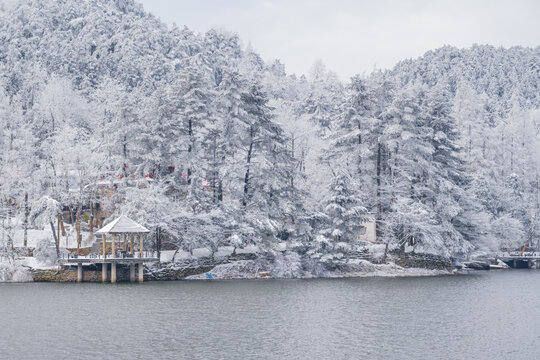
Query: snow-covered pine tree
{"type": "Point", "coordinates": [267, 164]}
{"type": "Point", "coordinates": [195, 114]}
{"type": "Point", "coordinates": [346, 215]}
{"type": "Point", "coordinates": [354, 142]}
{"type": "Point", "coordinates": [422, 187]}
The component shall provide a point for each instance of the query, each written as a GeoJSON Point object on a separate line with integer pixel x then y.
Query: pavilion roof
{"type": "Point", "coordinates": [122, 225]}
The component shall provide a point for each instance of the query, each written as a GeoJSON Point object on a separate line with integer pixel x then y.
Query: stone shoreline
{"type": "Point", "coordinates": [122, 274]}
{"type": "Point", "coordinates": [250, 267]}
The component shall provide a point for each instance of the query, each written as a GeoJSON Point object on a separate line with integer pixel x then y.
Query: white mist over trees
{"type": "Point", "coordinates": [207, 142]}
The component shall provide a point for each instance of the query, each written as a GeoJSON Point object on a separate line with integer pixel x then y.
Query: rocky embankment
{"type": "Point", "coordinates": [424, 261]}
{"type": "Point", "coordinates": [281, 266]}
{"type": "Point", "coordinates": [156, 272]}
{"type": "Point", "coordinates": [166, 272]}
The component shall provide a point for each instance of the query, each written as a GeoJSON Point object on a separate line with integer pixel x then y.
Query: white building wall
{"type": "Point", "coordinates": [371, 231]}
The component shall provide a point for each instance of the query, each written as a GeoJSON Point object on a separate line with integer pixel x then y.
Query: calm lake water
{"type": "Point", "coordinates": [489, 315]}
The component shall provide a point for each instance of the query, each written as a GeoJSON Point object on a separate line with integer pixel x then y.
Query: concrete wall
{"type": "Point", "coordinates": [122, 274]}
{"type": "Point", "coordinates": [90, 274]}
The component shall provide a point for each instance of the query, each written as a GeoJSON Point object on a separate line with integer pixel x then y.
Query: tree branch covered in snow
{"type": "Point", "coordinates": [105, 110]}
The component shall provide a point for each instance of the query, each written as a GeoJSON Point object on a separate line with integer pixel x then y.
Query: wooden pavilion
{"type": "Point", "coordinates": [123, 233]}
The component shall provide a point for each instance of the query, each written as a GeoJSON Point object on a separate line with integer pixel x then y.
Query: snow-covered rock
{"type": "Point", "coordinates": [13, 272]}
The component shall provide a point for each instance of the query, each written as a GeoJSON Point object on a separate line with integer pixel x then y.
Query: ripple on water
{"type": "Point", "coordinates": [489, 315]}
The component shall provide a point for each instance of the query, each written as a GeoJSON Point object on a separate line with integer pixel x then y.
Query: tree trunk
{"type": "Point", "coordinates": [26, 213]}
{"type": "Point", "coordinates": [78, 227]}
{"type": "Point", "coordinates": [63, 229]}
{"type": "Point", "coordinates": [379, 202]}
{"type": "Point", "coordinates": [248, 162]}
{"type": "Point", "coordinates": [512, 154]}
{"type": "Point", "coordinates": [385, 252]}
{"type": "Point", "coordinates": [220, 191]}
{"type": "Point", "coordinates": [502, 152]}
{"type": "Point", "coordinates": [174, 255]}
{"type": "Point", "coordinates": [91, 222]}
{"type": "Point", "coordinates": [55, 239]}
{"type": "Point", "coordinates": [71, 215]}
{"type": "Point", "coordinates": [158, 242]}
{"type": "Point", "coordinates": [190, 148]}
{"type": "Point", "coordinates": [9, 214]}
{"type": "Point", "coordinates": [58, 229]}
{"type": "Point", "coordinates": [214, 173]}
{"type": "Point", "coordinates": [124, 152]}
{"type": "Point", "coordinates": [393, 174]}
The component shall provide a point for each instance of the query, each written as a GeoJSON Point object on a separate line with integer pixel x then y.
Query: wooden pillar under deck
{"type": "Point", "coordinates": [132, 272]}
{"type": "Point", "coordinates": [141, 271]}
{"type": "Point", "coordinates": [113, 273]}
{"type": "Point", "coordinates": [79, 272]}
{"type": "Point", "coordinates": [104, 272]}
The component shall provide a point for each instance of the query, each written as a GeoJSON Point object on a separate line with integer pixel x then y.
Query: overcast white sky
{"type": "Point", "coordinates": [353, 37]}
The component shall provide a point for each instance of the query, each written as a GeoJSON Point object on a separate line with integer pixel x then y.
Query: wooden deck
{"type": "Point", "coordinates": [106, 260]}
{"type": "Point", "coordinates": [135, 260]}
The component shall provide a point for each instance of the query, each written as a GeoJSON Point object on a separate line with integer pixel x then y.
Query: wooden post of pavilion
{"type": "Point", "coordinates": [113, 264]}
{"type": "Point", "coordinates": [104, 264]}
{"type": "Point", "coordinates": [113, 249]}
{"type": "Point", "coordinates": [141, 245]}
{"type": "Point", "coordinates": [141, 266]}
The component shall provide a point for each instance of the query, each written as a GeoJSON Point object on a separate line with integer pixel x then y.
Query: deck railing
{"type": "Point", "coordinates": [120, 255]}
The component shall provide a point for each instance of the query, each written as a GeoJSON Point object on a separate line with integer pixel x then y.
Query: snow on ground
{"type": "Point", "coordinates": [14, 272]}
{"type": "Point", "coordinates": [256, 269]}
{"type": "Point", "coordinates": [36, 235]}
{"type": "Point", "coordinates": [250, 249]}
{"type": "Point", "coordinates": [281, 268]}
{"type": "Point", "coordinates": [285, 264]}
{"type": "Point", "coordinates": [34, 263]}
{"type": "Point", "coordinates": [364, 268]}
{"type": "Point", "coordinates": [18, 269]}
{"type": "Point", "coordinates": [223, 251]}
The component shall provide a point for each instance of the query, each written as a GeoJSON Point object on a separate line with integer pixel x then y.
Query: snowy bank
{"type": "Point", "coordinates": [13, 272]}
{"type": "Point", "coordinates": [181, 265]}
{"type": "Point", "coordinates": [260, 268]}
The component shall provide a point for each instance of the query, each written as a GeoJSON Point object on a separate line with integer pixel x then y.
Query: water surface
{"type": "Point", "coordinates": [490, 315]}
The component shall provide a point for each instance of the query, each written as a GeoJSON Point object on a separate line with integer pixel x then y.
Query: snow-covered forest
{"type": "Point", "coordinates": [105, 110]}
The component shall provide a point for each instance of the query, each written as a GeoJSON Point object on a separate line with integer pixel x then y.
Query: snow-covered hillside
{"type": "Point", "coordinates": [106, 110]}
